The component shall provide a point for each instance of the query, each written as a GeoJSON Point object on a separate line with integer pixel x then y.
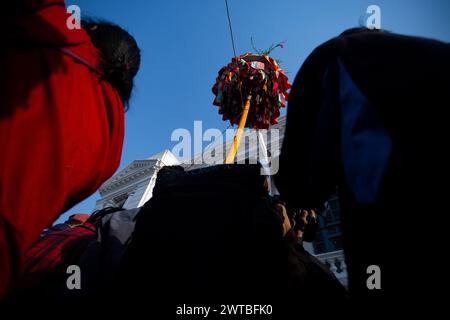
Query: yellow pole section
{"type": "Point", "coordinates": [237, 137]}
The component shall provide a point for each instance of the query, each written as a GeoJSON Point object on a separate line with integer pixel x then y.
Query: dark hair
{"type": "Point", "coordinates": [121, 56]}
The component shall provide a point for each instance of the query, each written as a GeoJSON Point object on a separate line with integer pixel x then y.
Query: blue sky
{"type": "Point", "coordinates": [184, 44]}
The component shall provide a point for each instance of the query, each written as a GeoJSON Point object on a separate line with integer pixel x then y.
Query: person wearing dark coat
{"type": "Point", "coordinates": [366, 114]}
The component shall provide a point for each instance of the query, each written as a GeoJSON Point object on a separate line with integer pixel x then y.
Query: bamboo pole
{"type": "Point", "coordinates": [237, 137]}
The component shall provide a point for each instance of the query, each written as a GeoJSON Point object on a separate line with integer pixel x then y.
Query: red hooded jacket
{"type": "Point", "coordinates": [61, 125]}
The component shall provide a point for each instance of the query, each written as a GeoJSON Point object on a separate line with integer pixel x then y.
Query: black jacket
{"type": "Point", "coordinates": [367, 114]}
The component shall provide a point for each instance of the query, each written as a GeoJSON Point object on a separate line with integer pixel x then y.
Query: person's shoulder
{"type": "Point", "coordinates": [44, 22]}
{"type": "Point", "coordinates": [383, 41]}
{"type": "Point", "coordinates": [322, 53]}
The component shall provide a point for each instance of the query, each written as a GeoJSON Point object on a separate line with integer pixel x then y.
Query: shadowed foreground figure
{"type": "Point", "coordinates": [213, 236]}
{"type": "Point", "coordinates": [367, 114]}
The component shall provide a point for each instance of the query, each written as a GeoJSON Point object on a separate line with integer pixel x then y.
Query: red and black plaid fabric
{"type": "Point", "coordinates": [52, 254]}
